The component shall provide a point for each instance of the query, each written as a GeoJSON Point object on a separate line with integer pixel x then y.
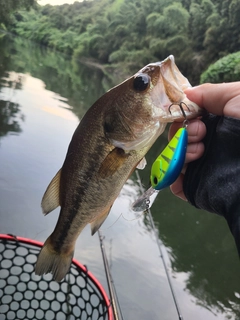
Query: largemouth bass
{"type": "Point", "coordinates": [108, 144]}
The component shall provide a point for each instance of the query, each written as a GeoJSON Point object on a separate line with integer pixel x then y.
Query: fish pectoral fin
{"type": "Point", "coordinates": [96, 224]}
{"type": "Point", "coordinates": [112, 162]}
{"type": "Point", "coordinates": [50, 200]}
{"type": "Point", "coordinates": [142, 164]}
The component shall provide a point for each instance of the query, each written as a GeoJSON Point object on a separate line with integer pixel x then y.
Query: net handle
{"type": "Point", "coordinates": [74, 261]}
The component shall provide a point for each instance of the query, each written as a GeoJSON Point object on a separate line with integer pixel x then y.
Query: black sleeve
{"type": "Point", "coordinates": [212, 182]}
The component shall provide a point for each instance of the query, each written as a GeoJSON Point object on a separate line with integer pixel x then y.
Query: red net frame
{"type": "Point", "coordinates": [24, 295]}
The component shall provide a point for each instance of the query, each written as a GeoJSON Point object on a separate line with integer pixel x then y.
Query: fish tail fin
{"type": "Point", "coordinates": [51, 261]}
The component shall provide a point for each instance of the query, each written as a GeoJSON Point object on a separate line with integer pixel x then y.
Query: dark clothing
{"type": "Point", "coordinates": [212, 182]}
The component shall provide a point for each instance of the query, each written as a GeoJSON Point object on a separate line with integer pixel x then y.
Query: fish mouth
{"type": "Point", "coordinates": [186, 109]}
{"type": "Point", "coordinates": [170, 100]}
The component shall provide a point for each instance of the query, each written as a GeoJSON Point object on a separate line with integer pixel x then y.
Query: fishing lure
{"type": "Point", "coordinates": [166, 168]}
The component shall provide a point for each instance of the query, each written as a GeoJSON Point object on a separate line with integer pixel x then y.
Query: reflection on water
{"type": "Point", "coordinates": [201, 249]}
{"type": "Point", "coordinates": [10, 113]}
{"type": "Point", "coordinates": [42, 95]}
{"type": "Point", "coordinates": [9, 121]}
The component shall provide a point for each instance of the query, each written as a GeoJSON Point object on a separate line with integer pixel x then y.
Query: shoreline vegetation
{"type": "Point", "coordinates": [120, 37]}
{"type": "Point", "coordinates": [113, 73]}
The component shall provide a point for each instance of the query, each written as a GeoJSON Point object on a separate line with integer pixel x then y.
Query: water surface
{"type": "Point", "coordinates": [43, 95]}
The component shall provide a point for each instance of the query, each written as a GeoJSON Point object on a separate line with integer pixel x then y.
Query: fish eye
{"type": "Point", "coordinates": [141, 82]}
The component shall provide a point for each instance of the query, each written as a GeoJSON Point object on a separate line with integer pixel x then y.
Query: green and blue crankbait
{"type": "Point", "coordinates": [166, 168]}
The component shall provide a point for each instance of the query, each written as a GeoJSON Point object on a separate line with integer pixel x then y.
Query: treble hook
{"type": "Point", "coordinates": [185, 122]}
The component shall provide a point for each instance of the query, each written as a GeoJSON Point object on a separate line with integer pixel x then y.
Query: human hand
{"type": "Point", "coordinates": [218, 99]}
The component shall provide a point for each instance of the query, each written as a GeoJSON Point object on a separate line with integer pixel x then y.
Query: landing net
{"type": "Point", "coordinates": [24, 295]}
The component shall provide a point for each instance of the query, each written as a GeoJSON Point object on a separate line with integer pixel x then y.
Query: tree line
{"type": "Point", "coordinates": [126, 35]}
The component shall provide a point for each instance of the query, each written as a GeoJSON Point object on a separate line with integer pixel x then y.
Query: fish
{"type": "Point", "coordinates": [110, 142]}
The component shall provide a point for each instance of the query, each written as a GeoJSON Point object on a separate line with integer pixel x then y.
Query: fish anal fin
{"type": "Point", "coordinates": [50, 261]}
{"type": "Point", "coordinates": [96, 224]}
{"type": "Point", "coordinates": [112, 162]}
{"type": "Point", "coordinates": [51, 198]}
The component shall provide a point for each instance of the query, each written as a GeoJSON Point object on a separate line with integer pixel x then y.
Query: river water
{"type": "Point", "coordinates": [43, 95]}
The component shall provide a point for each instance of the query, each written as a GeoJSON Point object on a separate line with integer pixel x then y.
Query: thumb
{"type": "Point", "coordinates": [219, 99]}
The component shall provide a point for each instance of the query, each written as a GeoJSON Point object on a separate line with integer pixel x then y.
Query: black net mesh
{"type": "Point", "coordinates": [24, 295]}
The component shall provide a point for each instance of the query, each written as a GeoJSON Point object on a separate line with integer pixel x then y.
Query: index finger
{"type": "Point", "coordinates": [219, 99]}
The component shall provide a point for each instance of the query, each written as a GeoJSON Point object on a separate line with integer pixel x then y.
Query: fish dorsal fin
{"type": "Point", "coordinates": [142, 164]}
{"type": "Point", "coordinates": [96, 224]}
{"type": "Point", "coordinates": [113, 161]}
{"type": "Point", "coordinates": [50, 200]}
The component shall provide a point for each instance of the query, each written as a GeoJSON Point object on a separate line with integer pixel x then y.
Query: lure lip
{"type": "Point", "coordinates": [143, 202]}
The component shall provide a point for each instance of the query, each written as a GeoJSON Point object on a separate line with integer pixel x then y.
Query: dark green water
{"type": "Point", "coordinates": [42, 97]}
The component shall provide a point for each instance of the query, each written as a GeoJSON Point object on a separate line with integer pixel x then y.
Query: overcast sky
{"type": "Point", "coordinates": [55, 2]}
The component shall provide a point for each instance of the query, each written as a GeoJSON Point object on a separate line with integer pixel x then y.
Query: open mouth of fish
{"type": "Point", "coordinates": [169, 97]}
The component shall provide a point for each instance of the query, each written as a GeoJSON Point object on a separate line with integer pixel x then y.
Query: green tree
{"type": "Point", "coordinates": [234, 24]}
{"type": "Point", "coordinates": [226, 69]}
{"type": "Point", "coordinates": [127, 34]}
{"type": "Point", "coordinates": [199, 13]}
{"type": "Point", "coordinates": [10, 6]}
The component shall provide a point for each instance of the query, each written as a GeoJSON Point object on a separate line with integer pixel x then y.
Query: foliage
{"type": "Point", "coordinates": [226, 69]}
{"type": "Point", "coordinates": [128, 34]}
{"type": "Point", "coordinates": [59, 73]}
{"type": "Point", "coordinates": [10, 6]}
